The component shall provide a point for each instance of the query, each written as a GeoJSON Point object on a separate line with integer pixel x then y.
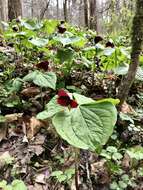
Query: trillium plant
{"type": "Point", "coordinates": [82, 122]}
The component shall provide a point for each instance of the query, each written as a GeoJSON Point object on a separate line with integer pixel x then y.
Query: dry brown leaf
{"type": "Point", "coordinates": [36, 144]}
{"type": "Point", "coordinates": [126, 108]}
{"type": "Point", "coordinates": [3, 131]}
{"type": "Point", "coordinates": [126, 162]}
{"type": "Point", "coordinates": [37, 149]}
{"type": "Point", "coordinates": [36, 186]}
{"type": "Point", "coordinates": [40, 178]}
{"type": "Point", "coordinates": [30, 92]}
{"type": "Point", "coordinates": [7, 49]}
{"type": "Point", "coordinates": [13, 117]}
{"type": "Point", "coordinates": [34, 126]}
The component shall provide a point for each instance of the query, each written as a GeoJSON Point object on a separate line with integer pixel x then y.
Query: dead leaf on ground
{"type": "Point", "coordinates": [38, 149]}
{"type": "Point", "coordinates": [13, 117]}
{"type": "Point", "coordinates": [126, 162]}
{"type": "Point", "coordinates": [40, 178]}
{"type": "Point", "coordinates": [99, 169]}
{"type": "Point", "coordinates": [36, 186]}
{"type": "Point", "coordinates": [7, 49]}
{"type": "Point", "coordinates": [30, 92]}
{"type": "Point", "coordinates": [3, 131]}
{"type": "Point", "coordinates": [36, 144]}
{"type": "Point", "coordinates": [126, 108]}
{"type": "Point", "coordinates": [34, 126]}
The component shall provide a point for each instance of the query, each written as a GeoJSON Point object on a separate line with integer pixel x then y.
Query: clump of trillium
{"type": "Point", "coordinates": [65, 100]}
{"type": "Point", "coordinates": [98, 39]}
{"type": "Point", "coordinates": [110, 44]}
{"type": "Point", "coordinates": [61, 27]}
{"type": "Point", "coordinates": [43, 65]}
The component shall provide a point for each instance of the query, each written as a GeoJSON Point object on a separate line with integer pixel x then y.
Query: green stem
{"type": "Point", "coordinates": [76, 168]}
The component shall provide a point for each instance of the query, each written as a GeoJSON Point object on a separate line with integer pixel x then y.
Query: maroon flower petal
{"type": "Point", "coordinates": [61, 29]}
{"type": "Point", "coordinates": [73, 104]}
{"type": "Point", "coordinates": [64, 100]}
{"type": "Point", "coordinates": [110, 44]}
{"type": "Point", "coordinates": [98, 39]}
{"type": "Point", "coordinates": [62, 93]}
{"type": "Point", "coordinates": [43, 65]}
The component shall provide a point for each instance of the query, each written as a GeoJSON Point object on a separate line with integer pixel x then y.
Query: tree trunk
{"type": "Point", "coordinates": [65, 3]}
{"type": "Point", "coordinates": [14, 9]}
{"type": "Point", "coordinates": [137, 41]}
{"type": "Point", "coordinates": [86, 13]}
{"type": "Point", "coordinates": [57, 9]}
{"type": "Point", "coordinates": [43, 11]}
{"type": "Point", "coordinates": [93, 14]}
{"type": "Point", "coordinates": [3, 10]}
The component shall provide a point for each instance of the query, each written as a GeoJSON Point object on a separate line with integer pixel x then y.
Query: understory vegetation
{"type": "Point", "coordinates": [59, 124]}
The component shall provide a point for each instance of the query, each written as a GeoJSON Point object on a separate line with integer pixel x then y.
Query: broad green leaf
{"type": "Point", "coordinates": [85, 100]}
{"type": "Point", "coordinates": [31, 25]}
{"type": "Point", "coordinates": [122, 184]}
{"type": "Point", "coordinates": [17, 84]}
{"type": "Point", "coordinates": [40, 42]}
{"type": "Point", "coordinates": [111, 100]}
{"type": "Point", "coordinates": [68, 40]}
{"type": "Point", "coordinates": [86, 62]}
{"type": "Point", "coordinates": [136, 152]}
{"type": "Point", "coordinates": [18, 185]}
{"type": "Point", "coordinates": [31, 76]}
{"type": "Point", "coordinates": [47, 79]}
{"type": "Point", "coordinates": [125, 52]}
{"type": "Point", "coordinates": [82, 99]}
{"type": "Point", "coordinates": [64, 127]}
{"type": "Point", "coordinates": [117, 156]}
{"type": "Point", "coordinates": [109, 51]}
{"type": "Point", "coordinates": [99, 47]}
{"type": "Point", "coordinates": [88, 126]}
{"type": "Point", "coordinates": [114, 185]}
{"type": "Point", "coordinates": [111, 149]}
{"type": "Point", "coordinates": [121, 69]}
{"type": "Point", "coordinates": [81, 43]}
{"type": "Point", "coordinates": [65, 54]}
{"type": "Point", "coordinates": [52, 108]}
{"type": "Point", "coordinates": [50, 26]}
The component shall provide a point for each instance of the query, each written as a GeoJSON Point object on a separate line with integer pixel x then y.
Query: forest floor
{"type": "Point", "coordinates": [31, 150]}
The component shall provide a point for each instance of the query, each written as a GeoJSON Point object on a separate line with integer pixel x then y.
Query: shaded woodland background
{"type": "Point", "coordinates": [105, 16]}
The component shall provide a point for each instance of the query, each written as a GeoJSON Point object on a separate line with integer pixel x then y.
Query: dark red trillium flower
{"type": "Point", "coordinates": [65, 100]}
{"type": "Point", "coordinates": [62, 22]}
{"type": "Point", "coordinates": [98, 39]}
{"type": "Point", "coordinates": [61, 29]}
{"type": "Point", "coordinates": [43, 65]}
{"type": "Point", "coordinates": [15, 28]}
{"type": "Point", "coordinates": [110, 44]}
